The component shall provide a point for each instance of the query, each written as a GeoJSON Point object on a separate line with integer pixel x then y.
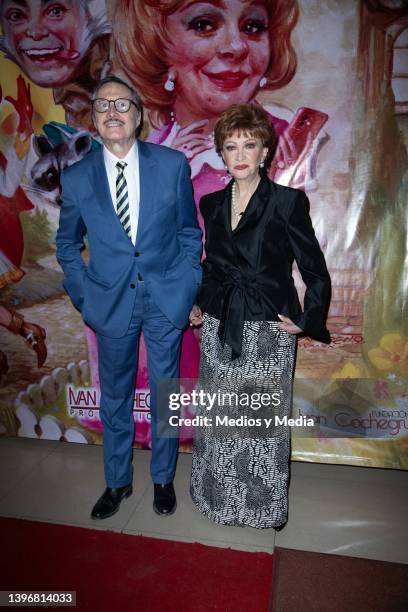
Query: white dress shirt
{"type": "Point", "coordinates": [131, 173]}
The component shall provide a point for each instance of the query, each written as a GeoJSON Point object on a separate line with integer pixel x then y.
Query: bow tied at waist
{"type": "Point", "coordinates": [241, 297]}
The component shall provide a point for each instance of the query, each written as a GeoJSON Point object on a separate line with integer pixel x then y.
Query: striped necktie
{"type": "Point", "coordinates": [122, 198]}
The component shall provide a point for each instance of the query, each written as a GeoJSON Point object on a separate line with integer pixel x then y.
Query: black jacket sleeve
{"type": "Point", "coordinates": [312, 267]}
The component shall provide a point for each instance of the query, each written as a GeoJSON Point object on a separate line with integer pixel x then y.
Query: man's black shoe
{"type": "Point", "coordinates": [108, 504]}
{"type": "Point", "coordinates": [164, 499]}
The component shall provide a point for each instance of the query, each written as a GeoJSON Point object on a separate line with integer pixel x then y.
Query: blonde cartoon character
{"type": "Point", "coordinates": [192, 60]}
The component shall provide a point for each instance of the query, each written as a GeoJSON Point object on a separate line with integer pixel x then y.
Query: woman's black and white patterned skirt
{"type": "Point", "coordinates": [240, 468]}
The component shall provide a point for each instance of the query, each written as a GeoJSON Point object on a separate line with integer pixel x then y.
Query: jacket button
{"type": "Point", "coordinates": [137, 254]}
{"type": "Point", "coordinates": [139, 277]}
{"type": "Point", "coordinates": [132, 285]}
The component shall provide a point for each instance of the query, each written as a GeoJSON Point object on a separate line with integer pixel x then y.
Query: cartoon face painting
{"type": "Point", "coordinates": [46, 38]}
{"type": "Point", "coordinates": [219, 52]}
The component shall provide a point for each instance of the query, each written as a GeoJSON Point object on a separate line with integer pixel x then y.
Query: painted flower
{"type": "Point", "coordinates": [391, 355]}
{"type": "Point", "coordinates": [350, 370]}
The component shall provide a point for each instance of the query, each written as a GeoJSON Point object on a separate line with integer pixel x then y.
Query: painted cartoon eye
{"type": "Point", "coordinates": [202, 25]}
{"type": "Point", "coordinates": [56, 11]}
{"type": "Point", "coordinates": [254, 26]}
{"type": "Point", "coordinates": [15, 15]}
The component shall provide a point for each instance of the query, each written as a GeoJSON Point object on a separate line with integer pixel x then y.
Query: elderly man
{"type": "Point", "coordinates": [134, 201]}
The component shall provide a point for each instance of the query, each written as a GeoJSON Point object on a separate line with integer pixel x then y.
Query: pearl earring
{"type": "Point", "coordinates": [263, 82]}
{"type": "Point", "coordinates": [261, 165]}
{"type": "Point", "coordinates": [169, 84]}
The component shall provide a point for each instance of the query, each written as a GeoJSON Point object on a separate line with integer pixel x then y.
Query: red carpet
{"type": "Point", "coordinates": [317, 582]}
{"type": "Point", "coordinates": [111, 571]}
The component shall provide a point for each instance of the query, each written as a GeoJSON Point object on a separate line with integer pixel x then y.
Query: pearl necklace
{"type": "Point", "coordinates": [234, 199]}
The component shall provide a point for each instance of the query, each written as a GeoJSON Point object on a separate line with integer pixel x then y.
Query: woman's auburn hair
{"type": "Point", "coordinates": [249, 120]}
{"type": "Point", "coordinates": [141, 42]}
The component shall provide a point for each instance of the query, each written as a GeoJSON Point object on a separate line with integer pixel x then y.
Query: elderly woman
{"type": "Point", "coordinates": [255, 229]}
{"type": "Point", "coordinates": [190, 60]}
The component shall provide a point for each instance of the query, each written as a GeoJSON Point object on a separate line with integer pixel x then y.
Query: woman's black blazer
{"type": "Point", "coordinates": [247, 272]}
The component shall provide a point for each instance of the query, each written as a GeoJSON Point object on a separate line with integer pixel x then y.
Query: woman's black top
{"type": "Point", "coordinates": [247, 273]}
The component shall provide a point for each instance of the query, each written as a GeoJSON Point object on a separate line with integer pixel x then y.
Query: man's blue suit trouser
{"type": "Point", "coordinates": [117, 373]}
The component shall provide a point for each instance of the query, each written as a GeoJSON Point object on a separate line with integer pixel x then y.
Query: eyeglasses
{"type": "Point", "coordinates": [122, 105]}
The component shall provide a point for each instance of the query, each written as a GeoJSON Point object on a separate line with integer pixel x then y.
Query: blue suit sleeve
{"type": "Point", "coordinates": [70, 242]}
{"type": "Point", "coordinates": [188, 231]}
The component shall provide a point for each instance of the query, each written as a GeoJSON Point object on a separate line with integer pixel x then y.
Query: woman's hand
{"type": "Point", "coordinates": [196, 316]}
{"type": "Point", "coordinates": [288, 325]}
{"type": "Point", "coordinates": [189, 140]}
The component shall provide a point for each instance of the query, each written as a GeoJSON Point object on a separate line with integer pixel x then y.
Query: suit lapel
{"type": "Point", "coordinates": [103, 195]}
{"type": "Point", "coordinates": [101, 184]}
{"type": "Point", "coordinates": [262, 198]}
{"type": "Point", "coordinates": [148, 186]}
{"type": "Point", "coordinates": [222, 212]}
{"type": "Point", "coordinates": [256, 206]}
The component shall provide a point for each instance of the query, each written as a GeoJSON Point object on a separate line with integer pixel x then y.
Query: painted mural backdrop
{"type": "Point", "coordinates": [333, 78]}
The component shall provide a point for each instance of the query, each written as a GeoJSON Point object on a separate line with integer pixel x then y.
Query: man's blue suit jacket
{"type": "Point", "coordinates": [168, 243]}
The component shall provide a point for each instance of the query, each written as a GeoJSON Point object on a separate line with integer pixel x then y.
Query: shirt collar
{"type": "Point", "coordinates": [131, 158]}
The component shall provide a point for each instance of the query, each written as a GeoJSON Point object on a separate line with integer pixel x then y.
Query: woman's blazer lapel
{"type": "Point", "coordinates": [264, 197]}
{"type": "Point", "coordinates": [261, 199]}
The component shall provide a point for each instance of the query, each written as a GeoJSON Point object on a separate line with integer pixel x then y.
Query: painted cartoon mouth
{"type": "Point", "coordinates": [227, 79]}
{"type": "Point", "coordinates": [47, 54]}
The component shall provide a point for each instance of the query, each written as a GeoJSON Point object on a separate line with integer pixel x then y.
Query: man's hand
{"type": "Point", "coordinates": [196, 316]}
{"type": "Point", "coordinates": [288, 325]}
